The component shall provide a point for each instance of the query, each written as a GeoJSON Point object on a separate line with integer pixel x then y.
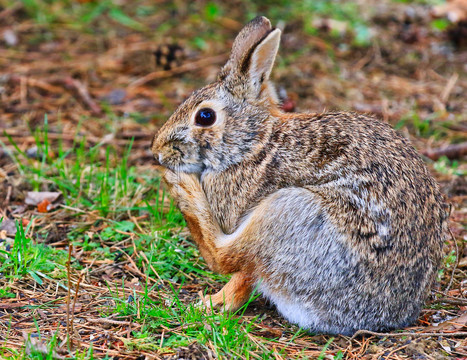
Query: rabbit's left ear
{"type": "Point", "coordinates": [262, 60]}
{"type": "Point", "coordinates": [253, 53]}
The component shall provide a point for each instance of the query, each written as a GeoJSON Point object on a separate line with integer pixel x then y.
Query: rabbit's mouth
{"type": "Point", "coordinates": [173, 154]}
{"type": "Point", "coordinates": [178, 164]}
{"type": "Point", "coordinates": [177, 155]}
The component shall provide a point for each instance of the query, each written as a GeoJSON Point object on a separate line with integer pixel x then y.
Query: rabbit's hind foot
{"type": "Point", "coordinates": [232, 296]}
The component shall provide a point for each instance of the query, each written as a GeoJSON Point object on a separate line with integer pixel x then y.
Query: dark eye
{"type": "Point", "coordinates": [205, 117]}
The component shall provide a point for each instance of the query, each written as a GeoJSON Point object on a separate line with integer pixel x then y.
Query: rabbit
{"type": "Point", "coordinates": [331, 216]}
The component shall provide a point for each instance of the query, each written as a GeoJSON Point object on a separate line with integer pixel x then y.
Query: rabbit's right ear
{"type": "Point", "coordinates": [253, 53]}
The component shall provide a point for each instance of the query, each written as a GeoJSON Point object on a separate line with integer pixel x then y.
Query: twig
{"type": "Point", "coordinates": [68, 274]}
{"type": "Point", "coordinates": [43, 85]}
{"type": "Point", "coordinates": [74, 302]}
{"type": "Point", "coordinates": [449, 86]}
{"type": "Point", "coordinates": [178, 70]}
{"type": "Point", "coordinates": [460, 302]}
{"type": "Point", "coordinates": [135, 269]}
{"type": "Point", "coordinates": [388, 356]}
{"type": "Point", "coordinates": [162, 338]}
{"type": "Point", "coordinates": [80, 90]}
{"type": "Point", "coordinates": [100, 349]}
{"type": "Point", "coordinates": [143, 255]}
{"type": "Point", "coordinates": [421, 334]}
{"type": "Point", "coordinates": [76, 87]}
{"type": "Point", "coordinates": [7, 306]}
{"type": "Point", "coordinates": [72, 208]}
{"type": "Point", "coordinates": [453, 151]}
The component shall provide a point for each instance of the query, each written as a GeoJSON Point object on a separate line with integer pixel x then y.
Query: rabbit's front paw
{"type": "Point", "coordinates": [188, 181]}
{"type": "Point", "coordinates": [184, 188]}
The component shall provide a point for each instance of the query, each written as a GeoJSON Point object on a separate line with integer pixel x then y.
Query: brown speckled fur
{"type": "Point", "coordinates": [333, 216]}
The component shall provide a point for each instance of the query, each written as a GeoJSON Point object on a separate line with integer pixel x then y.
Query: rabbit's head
{"type": "Point", "coordinates": [224, 122]}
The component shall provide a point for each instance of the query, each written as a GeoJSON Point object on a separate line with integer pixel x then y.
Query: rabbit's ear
{"type": "Point", "coordinates": [253, 53]}
{"type": "Point", "coordinates": [262, 59]}
{"type": "Point", "coordinates": [251, 34]}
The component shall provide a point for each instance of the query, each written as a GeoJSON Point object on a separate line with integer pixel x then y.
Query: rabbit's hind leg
{"type": "Point", "coordinates": [233, 295]}
{"type": "Point", "coordinates": [298, 258]}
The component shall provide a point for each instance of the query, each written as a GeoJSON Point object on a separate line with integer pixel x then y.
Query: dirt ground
{"type": "Point", "coordinates": [108, 81]}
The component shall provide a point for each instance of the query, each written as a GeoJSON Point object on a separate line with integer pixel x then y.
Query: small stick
{"type": "Point", "coordinates": [135, 268]}
{"type": "Point", "coordinates": [143, 255]}
{"type": "Point", "coordinates": [461, 302]}
{"type": "Point", "coordinates": [388, 356]}
{"type": "Point", "coordinates": [81, 91]}
{"type": "Point", "coordinates": [422, 334]}
{"type": "Point", "coordinates": [68, 274]}
{"type": "Point", "coordinates": [453, 151]}
{"type": "Point", "coordinates": [73, 85]}
{"type": "Point", "coordinates": [8, 195]}
{"type": "Point", "coordinates": [43, 85]}
{"type": "Point", "coordinates": [74, 302]}
{"type": "Point", "coordinates": [449, 86]}
{"type": "Point", "coordinates": [162, 338]}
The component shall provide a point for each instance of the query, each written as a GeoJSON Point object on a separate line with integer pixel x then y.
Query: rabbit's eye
{"type": "Point", "coordinates": [205, 117]}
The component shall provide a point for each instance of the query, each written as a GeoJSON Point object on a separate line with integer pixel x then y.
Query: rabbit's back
{"type": "Point", "coordinates": [373, 183]}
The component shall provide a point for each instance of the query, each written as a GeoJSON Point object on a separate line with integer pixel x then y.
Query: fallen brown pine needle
{"type": "Point", "coordinates": [421, 334]}
{"type": "Point", "coordinates": [179, 70]}
{"type": "Point", "coordinates": [111, 322]}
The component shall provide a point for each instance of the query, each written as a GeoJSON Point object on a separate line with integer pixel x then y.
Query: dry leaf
{"type": "Point", "coordinates": [450, 325]}
{"type": "Point", "coordinates": [36, 197]}
{"type": "Point", "coordinates": [8, 226]}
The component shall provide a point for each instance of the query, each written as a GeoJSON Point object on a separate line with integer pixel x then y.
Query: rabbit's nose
{"type": "Point", "coordinates": [153, 146]}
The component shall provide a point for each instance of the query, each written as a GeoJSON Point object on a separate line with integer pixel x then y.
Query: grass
{"type": "Point", "coordinates": [106, 187]}
{"type": "Point", "coordinates": [22, 257]}
{"type": "Point", "coordinates": [188, 324]}
{"type": "Point", "coordinates": [86, 16]}
{"type": "Point", "coordinates": [77, 15]}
